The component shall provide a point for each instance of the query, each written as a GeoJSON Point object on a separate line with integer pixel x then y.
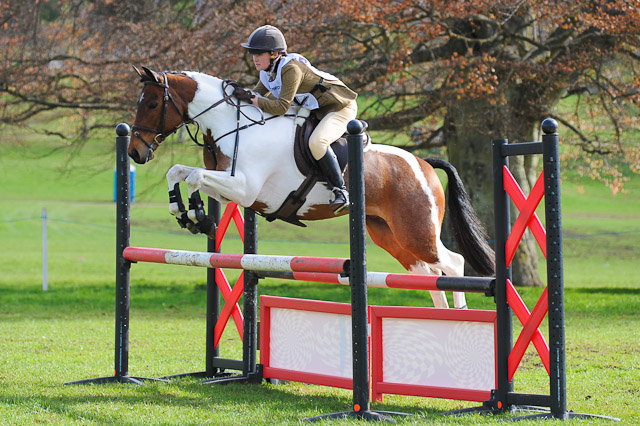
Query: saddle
{"type": "Point", "coordinates": [308, 166]}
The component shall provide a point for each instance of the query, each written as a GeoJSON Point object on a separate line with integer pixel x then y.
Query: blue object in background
{"type": "Point", "coordinates": [132, 186]}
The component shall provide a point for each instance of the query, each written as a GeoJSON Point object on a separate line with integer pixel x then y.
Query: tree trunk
{"type": "Point", "coordinates": [469, 146]}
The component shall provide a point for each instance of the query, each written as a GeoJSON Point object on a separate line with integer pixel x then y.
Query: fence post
{"type": "Point", "coordinates": [123, 266]}
{"type": "Point", "coordinates": [250, 302]}
{"type": "Point", "coordinates": [555, 280]}
{"type": "Point", "coordinates": [213, 298]}
{"type": "Point", "coordinates": [123, 232]}
{"type": "Point", "coordinates": [45, 266]}
{"type": "Point", "coordinates": [504, 318]}
{"type": "Point", "coordinates": [358, 269]}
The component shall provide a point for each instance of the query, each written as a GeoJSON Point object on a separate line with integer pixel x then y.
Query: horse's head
{"type": "Point", "coordinates": [162, 108]}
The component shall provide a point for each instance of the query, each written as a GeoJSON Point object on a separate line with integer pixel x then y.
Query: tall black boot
{"type": "Point", "coordinates": [331, 170]}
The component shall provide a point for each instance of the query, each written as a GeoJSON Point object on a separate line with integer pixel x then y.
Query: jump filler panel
{"type": "Point", "coordinates": [428, 352]}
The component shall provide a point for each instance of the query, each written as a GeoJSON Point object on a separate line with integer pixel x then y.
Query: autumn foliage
{"type": "Point", "coordinates": [415, 63]}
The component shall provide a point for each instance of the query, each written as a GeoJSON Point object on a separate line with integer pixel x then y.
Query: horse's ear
{"type": "Point", "coordinates": [146, 76]}
{"type": "Point", "coordinates": [137, 70]}
{"type": "Point", "coordinates": [153, 76]}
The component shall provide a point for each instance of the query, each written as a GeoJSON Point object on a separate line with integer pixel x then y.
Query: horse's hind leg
{"type": "Point", "coordinates": [420, 251]}
{"type": "Point", "coordinates": [382, 236]}
{"type": "Point", "coordinates": [452, 264]}
{"type": "Point", "coordinates": [436, 257]}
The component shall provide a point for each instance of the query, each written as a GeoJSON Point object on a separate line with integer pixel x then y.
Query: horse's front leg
{"type": "Point", "coordinates": [201, 222]}
{"type": "Point", "coordinates": [175, 175]}
{"type": "Point", "coordinates": [222, 186]}
{"type": "Point", "coordinates": [219, 185]}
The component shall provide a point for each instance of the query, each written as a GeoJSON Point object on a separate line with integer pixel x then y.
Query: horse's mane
{"type": "Point", "coordinates": [144, 77]}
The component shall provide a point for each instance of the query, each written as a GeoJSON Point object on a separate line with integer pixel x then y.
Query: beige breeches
{"type": "Point", "coordinates": [330, 128]}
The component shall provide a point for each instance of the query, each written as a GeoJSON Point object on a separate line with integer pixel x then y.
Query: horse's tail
{"type": "Point", "coordinates": [468, 230]}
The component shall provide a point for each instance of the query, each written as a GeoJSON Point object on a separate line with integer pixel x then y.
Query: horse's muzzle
{"type": "Point", "coordinates": [141, 159]}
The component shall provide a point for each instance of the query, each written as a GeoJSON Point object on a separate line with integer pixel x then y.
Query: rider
{"type": "Point", "coordinates": [290, 77]}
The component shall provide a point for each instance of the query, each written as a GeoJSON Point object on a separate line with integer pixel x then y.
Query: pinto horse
{"type": "Point", "coordinates": [405, 200]}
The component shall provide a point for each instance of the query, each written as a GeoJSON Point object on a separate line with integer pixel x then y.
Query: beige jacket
{"type": "Point", "coordinates": [297, 77]}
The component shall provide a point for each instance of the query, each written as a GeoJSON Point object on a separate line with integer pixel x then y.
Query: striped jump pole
{"type": "Point", "coordinates": [248, 262]}
{"type": "Point", "coordinates": [484, 285]}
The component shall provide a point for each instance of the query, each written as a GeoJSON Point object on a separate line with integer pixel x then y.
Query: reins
{"type": "Point", "coordinates": [225, 84]}
{"type": "Point", "coordinates": [227, 98]}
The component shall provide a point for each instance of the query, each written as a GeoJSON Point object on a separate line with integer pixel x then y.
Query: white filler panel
{"type": "Point", "coordinates": [448, 354]}
{"type": "Point", "coordinates": [311, 342]}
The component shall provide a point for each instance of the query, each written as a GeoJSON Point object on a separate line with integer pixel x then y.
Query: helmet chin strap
{"type": "Point", "coordinates": [272, 60]}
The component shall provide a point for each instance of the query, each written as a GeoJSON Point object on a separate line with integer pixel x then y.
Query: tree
{"type": "Point", "coordinates": [467, 72]}
{"type": "Point", "coordinates": [483, 70]}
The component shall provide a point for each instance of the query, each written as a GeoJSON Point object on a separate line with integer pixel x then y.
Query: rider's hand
{"type": "Point", "coordinates": [242, 94]}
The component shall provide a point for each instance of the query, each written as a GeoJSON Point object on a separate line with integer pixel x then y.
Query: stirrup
{"type": "Point", "coordinates": [340, 201]}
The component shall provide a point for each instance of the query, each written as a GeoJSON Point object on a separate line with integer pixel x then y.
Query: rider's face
{"type": "Point", "coordinates": [262, 61]}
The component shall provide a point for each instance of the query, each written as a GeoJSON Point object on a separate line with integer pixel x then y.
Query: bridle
{"type": "Point", "coordinates": [160, 132]}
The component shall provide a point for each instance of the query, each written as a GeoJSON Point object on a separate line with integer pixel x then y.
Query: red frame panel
{"type": "Point", "coordinates": [380, 387]}
{"type": "Point", "coordinates": [268, 372]}
{"type": "Point", "coordinates": [527, 216]}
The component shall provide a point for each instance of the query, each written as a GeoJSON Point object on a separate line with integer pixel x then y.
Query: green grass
{"type": "Point", "coordinates": [67, 333]}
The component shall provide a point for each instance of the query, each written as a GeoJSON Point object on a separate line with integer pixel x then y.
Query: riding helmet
{"type": "Point", "coordinates": [266, 39]}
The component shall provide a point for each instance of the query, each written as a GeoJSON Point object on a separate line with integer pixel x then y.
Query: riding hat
{"type": "Point", "coordinates": [266, 39]}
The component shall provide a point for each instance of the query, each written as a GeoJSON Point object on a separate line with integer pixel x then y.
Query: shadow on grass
{"type": "Point", "coordinates": [186, 402]}
{"type": "Point", "coordinates": [147, 297]}
{"type": "Point", "coordinates": [615, 291]}
{"type": "Point", "coordinates": [177, 297]}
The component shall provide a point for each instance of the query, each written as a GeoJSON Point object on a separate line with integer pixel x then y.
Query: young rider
{"type": "Point", "coordinates": [289, 77]}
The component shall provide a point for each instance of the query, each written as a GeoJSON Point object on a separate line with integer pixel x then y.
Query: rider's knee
{"type": "Point", "coordinates": [318, 146]}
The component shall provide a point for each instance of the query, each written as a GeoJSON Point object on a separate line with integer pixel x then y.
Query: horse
{"type": "Point", "coordinates": [249, 159]}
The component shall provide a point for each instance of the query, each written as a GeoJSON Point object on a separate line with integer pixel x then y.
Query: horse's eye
{"type": "Point", "coordinates": [152, 105]}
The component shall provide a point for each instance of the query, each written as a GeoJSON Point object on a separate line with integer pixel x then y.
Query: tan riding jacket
{"type": "Point", "coordinates": [297, 77]}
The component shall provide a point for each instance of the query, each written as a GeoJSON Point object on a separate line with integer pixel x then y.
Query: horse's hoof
{"type": "Point", "coordinates": [193, 228]}
{"type": "Point", "coordinates": [183, 220]}
{"type": "Point", "coordinates": [208, 227]}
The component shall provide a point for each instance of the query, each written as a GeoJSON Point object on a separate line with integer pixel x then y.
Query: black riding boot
{"type": "Point", "coordinates": [331, 170]}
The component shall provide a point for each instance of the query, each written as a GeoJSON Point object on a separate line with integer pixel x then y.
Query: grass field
{"type": "Point", "coordinates": [67, 333]}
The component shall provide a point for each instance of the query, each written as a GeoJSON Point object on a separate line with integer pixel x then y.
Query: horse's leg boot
{"type": "Point", "coordinates": [176, 206]}
{"type": "Point", "coordinates": [196, 207]}
{"type": "Point", "coordinates": [331, 170]}
{"type": "Point", "coordinates": [204, 223]}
